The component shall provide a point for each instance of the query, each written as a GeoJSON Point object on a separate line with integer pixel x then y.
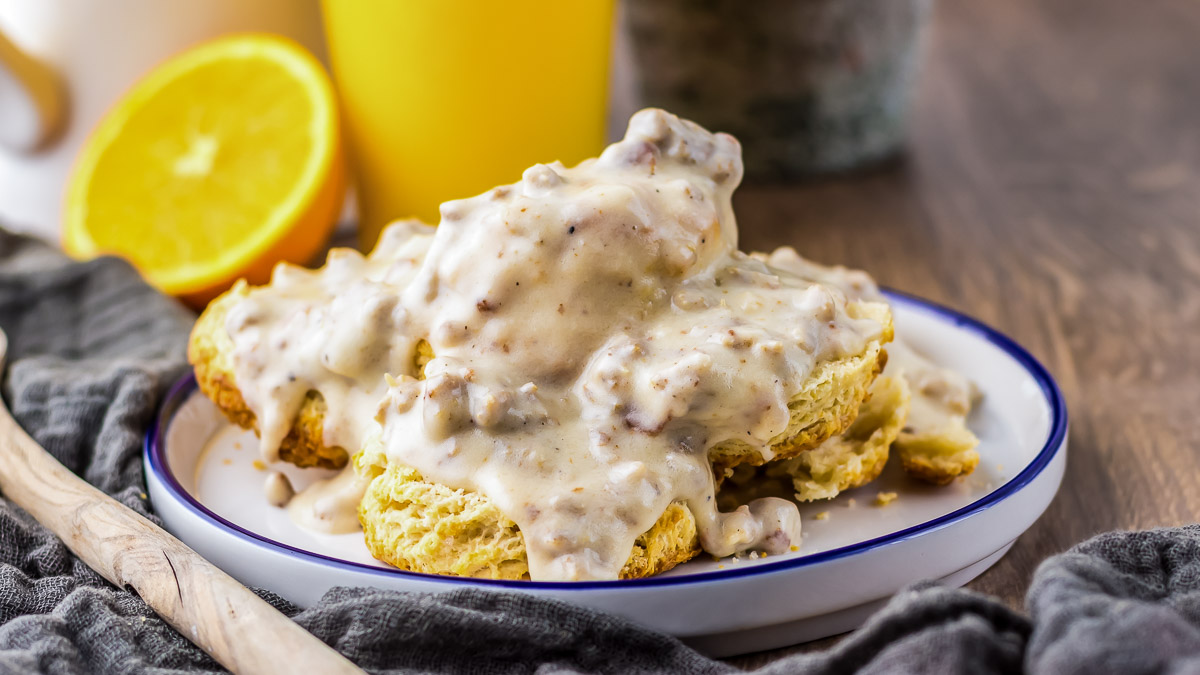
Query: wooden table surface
{"type": "Point", "coordinates": [1052, 189]}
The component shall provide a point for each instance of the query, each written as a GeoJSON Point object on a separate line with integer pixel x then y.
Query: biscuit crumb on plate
{"type": "Point", "coordinates": [821, 516]}
{"type": "Point", "coordinates": [885, 498]}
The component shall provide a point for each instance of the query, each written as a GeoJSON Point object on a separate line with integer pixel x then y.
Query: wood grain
{"type": "Point", "coordinates": [210, 608]}
{"type": "Point", "coordinates": [1052, 189]}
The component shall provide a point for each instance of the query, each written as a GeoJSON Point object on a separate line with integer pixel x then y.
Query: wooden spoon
{"type": "Point", "coordinates": [221, 616]}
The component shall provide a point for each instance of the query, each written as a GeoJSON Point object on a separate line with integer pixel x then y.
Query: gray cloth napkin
{"type": "Point", "coordinates": [92, 349]}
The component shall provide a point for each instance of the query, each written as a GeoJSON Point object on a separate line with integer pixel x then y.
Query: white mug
{"type": "Point", "coordinates": [63, 63]}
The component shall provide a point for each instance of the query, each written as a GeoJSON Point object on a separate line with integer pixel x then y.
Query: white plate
{"type": "Point", "coordinates": [202, 480]}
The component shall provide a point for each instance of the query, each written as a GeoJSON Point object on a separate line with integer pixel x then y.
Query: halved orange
{"type": "Point", "coordinates": [221, 162]}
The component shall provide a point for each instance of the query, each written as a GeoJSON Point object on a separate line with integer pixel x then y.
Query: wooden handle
{"type": "Point", "coordinates": [221, 616]}
{"type": "Point", "coordinates": [35, 103]}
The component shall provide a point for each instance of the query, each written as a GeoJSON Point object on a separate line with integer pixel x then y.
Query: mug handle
{"type": "Point", "coordinates": [38, 102]}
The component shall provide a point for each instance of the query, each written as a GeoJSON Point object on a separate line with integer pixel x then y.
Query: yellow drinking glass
{"type": "Point", "coordinates": [443, 99]}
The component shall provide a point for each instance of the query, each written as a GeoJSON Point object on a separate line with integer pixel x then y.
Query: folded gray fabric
{"type": "Point", "coordinates": [91, 351]}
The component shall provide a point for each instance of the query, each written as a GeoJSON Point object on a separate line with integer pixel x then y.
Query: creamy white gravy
{"type": "Point", "coordinates": [596, 333]}
{"type": "Point", "coordinates": [278, 490]}
{"type": "Point", "coordinates": [329, 505]}
{"type": "Point", "coordinates": [337, 330]}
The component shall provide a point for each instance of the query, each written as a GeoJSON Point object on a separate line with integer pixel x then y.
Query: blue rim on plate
{"type": "Point", "coordinates": [155, 457]}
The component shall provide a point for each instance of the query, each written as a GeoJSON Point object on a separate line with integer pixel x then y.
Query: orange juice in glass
{"type": "Point", "coordinates": [443, 99]}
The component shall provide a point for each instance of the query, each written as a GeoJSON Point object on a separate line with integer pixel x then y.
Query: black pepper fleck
{"type": "Point", "coordinates": [571, 230]}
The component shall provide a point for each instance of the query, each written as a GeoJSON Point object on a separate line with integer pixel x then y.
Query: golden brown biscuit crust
{"type": "Point", "coordinates": [857, 456]}
{"type": "Point", "coordinates": [939, 456]}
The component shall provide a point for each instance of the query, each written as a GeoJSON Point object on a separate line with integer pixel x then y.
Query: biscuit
{"type": "Point", "coordinates": [425, 527]}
